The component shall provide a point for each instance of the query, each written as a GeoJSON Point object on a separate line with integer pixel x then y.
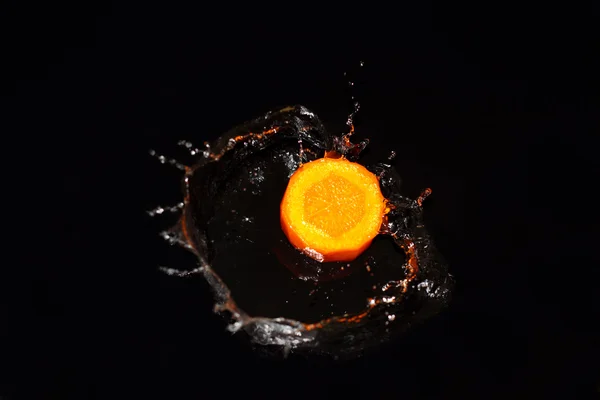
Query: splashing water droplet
{"type": "Point", "coordinates": [254, 269]}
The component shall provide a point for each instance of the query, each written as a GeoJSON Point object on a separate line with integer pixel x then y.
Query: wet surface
{"type": "Point", "coordinates": [474, 108]}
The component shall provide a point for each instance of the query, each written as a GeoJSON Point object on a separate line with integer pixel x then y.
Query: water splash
{"type": "Point", "coordinates": [273, 292]}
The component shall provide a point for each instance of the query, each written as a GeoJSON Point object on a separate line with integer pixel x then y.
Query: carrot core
{"type": "Point", "coordinates": [332, 209]}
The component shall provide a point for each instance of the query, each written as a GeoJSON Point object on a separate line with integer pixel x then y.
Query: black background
{"type": "Point", "coordinates": [485, 104]}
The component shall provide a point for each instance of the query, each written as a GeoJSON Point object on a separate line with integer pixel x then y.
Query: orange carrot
{"type": "Point", "coordinates": [332, 209]}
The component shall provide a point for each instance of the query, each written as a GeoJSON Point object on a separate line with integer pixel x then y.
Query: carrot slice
{"type": "Point", "coordinates": [332, 209]}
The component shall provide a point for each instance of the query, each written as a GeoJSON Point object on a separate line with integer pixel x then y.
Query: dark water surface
{"type": "Point", "coordinates": [474, 100]}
